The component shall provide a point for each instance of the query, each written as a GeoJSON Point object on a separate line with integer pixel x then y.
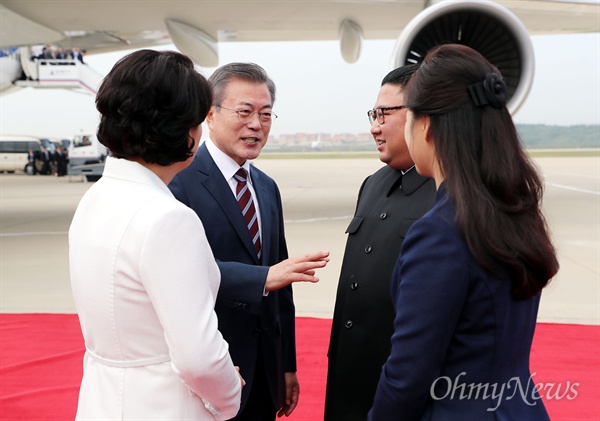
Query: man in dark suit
{"type": "Point", "coordinates": [60, 160]}
{"type": "Point", "coordinates": [31, 158]}
{"type": "Point", "coordinates": [255, 304]}
{"type": "Point", "coordinates": [389, 201]}
{"type": "Point", "coordinates": [47, 158]}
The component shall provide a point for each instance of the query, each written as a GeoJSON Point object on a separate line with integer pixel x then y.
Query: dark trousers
{"type": "Point", "coordinates": [260, 406]}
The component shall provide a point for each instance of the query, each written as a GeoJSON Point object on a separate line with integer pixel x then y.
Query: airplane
{"type": "Point", "coordinates": [499, 29]}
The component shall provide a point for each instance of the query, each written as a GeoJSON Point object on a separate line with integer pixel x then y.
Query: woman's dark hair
{"type": "Point", "coordinates": [496, 188]}
{"type": "Point", "coordinates": [148, 103]}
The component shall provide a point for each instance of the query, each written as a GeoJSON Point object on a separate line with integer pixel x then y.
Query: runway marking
{"type": "Point", "coordinates": [562, 186]}
{"type": "Point", "coordinates": [30, 234]}
{"type": "Point", "coordinates": [303, 221]}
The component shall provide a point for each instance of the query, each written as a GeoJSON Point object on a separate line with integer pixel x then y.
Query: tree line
{"type": "Point", "coordinates": [553, 137]}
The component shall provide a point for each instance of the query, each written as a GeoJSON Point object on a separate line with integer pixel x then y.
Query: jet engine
{"type": "Point", "coordinates": [487, 27]}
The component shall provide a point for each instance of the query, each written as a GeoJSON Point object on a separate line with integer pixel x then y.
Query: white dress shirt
{"type": "Point", "coordinates": [228, 168]}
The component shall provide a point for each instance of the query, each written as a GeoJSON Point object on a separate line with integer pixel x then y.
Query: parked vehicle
{"type": "Point", "coordinates": [14, 153]}
{"type": "Point", "coordinates": [86, 157]}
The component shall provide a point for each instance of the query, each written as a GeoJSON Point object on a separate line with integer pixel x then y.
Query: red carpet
{"type": "Point", "coordinates": [41, 367]}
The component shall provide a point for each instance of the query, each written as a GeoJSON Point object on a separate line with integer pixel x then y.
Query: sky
{"type": "Point", "coordinates": [317, 92]}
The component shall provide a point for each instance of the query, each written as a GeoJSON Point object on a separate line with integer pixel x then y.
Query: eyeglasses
{"type": "Point", "coordinates": [379, 113]}
{"type": "Point", "coordinates": [246, 116]}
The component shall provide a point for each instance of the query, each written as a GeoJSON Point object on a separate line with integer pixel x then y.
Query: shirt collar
{"type": "Point", "coordinates": [225, 163]}
{"type": "Point", "coordinates": [408, 182]}
{"type": "Point", "coordinates": [404, 172]}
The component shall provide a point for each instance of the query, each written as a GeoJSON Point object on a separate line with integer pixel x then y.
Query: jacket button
{"type": "Point", "coordinates": [349, 324]}
{"type": "Point", "coordinates": [383, 215]}
{"type": "Point", "coordinates": [368, 249]}
{"type": "Point", "coordinates": [354, 285]}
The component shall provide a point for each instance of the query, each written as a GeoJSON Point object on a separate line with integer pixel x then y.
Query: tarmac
{"type": "Point", "coordinates": [319, 197]}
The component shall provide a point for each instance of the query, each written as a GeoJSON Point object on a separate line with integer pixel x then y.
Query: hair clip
{"type": "Point", "coordinates": [492, 90]}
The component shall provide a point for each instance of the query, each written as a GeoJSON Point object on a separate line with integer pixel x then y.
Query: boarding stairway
{"type": "Point", "coordinates": [59, 73]}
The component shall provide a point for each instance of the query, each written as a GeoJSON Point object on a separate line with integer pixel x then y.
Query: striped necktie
{"type": "Point", "coordinates": [244, 199]}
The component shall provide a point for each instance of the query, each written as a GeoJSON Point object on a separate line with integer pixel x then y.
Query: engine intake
{"type": "Point", "coordinates": [487, 27]}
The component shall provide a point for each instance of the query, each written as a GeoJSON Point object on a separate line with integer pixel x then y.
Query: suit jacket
{"type": "Point", "coordinates": [461, 343]}
{"type": "Point", "coordinates": [247, 319]}
{"type": "Point", "coordinates": [388, 204]}
{"type": "Point", "coordinates": [145, 291]}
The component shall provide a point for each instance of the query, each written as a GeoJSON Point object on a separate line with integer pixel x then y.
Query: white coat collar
{"type": "Point", "coordinates": [123, 169]}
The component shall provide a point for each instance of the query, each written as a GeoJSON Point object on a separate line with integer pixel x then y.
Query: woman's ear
{"type": "Point", "coordinates": [426, 122]}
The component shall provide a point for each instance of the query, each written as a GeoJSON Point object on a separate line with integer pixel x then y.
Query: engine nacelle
{"type": "Point", "coordinates": [487, 27]}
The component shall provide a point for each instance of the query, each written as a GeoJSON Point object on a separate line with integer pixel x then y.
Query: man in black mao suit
{"type": "Point", "coordinates": [389, 201]}
{"type": "Point", "coordinates": [255, 304]}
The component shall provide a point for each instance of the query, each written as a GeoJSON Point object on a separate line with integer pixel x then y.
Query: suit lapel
{"type": "Point", "coordinates": [219, 189]}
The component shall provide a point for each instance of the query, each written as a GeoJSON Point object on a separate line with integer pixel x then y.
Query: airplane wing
{"type": "Point", "coordinates": [497, 29]}
{"type": "Point", "coordinates": [100, 25]}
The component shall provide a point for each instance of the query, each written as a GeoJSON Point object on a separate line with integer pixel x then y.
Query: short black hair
{"type": "Point", "coordinates": [148, 103]}
{"type": "Point", "coordinates": [400, 76]}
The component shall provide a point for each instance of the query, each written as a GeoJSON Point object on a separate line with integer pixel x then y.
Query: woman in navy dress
{"type": "Point", "coordinates": [467, 287]}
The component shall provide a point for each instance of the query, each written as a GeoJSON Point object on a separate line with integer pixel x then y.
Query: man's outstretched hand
{"type": "Point", "coordinates": [296, 269]}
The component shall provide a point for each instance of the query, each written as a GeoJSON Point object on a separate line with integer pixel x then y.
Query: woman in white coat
{"type": "Point", "coordinates": [143, 275]}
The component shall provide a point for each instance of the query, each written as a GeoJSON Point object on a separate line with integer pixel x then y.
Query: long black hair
{"type": "Point", "coordinates": [496, 188]}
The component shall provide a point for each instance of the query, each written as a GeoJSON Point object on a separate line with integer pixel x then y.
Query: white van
{"type": "Point", "coordinates": [14, 150]}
